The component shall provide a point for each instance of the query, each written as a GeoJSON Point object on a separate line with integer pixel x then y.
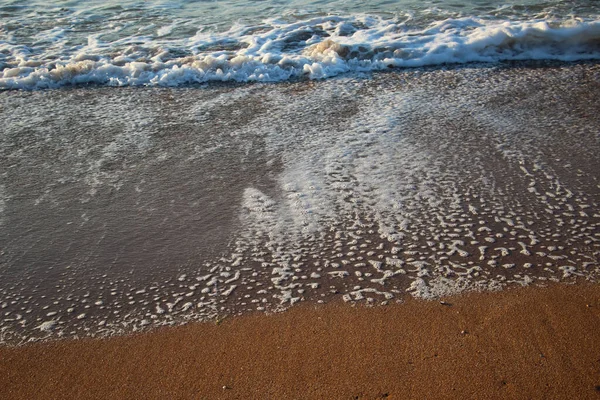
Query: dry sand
{"type": "Point", "coordinates": [522, 343]}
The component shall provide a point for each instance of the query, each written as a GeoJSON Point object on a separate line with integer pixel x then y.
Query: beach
{"type": "Point", "coordinates": [522, 343]}
{"type": "Point", "coordinates": [299, 199]}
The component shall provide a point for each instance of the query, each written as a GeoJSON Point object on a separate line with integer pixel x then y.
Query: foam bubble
{"type": "Point", "coordinates": [281, 51]}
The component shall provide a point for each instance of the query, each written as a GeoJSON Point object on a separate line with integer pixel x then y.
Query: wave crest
{"type": "Point", "coordinates": [316, 48]}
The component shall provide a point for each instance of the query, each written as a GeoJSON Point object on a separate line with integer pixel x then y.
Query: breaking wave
{"type": "Point", "coordinates": [273, 51]}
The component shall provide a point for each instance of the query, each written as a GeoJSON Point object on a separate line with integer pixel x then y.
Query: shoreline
{"type": "Point", "coordinates": [231, 201]}
{"type": "Point", "coordinates": [499, 65]}
{"type": "Point", "coordinates": [534, 342]}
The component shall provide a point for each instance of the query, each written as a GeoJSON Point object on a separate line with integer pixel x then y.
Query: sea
{"type": "Point", "coordinates": [174, 43]}
{"type": "Point", "coordinates": [163, 162]}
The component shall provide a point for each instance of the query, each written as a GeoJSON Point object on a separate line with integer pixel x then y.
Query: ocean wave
{"type": "Point", "coordinates": [274, 51]}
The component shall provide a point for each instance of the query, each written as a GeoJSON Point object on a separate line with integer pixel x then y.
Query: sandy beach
{"type": "Point", "coordinates": [299, 199]}
{"type": "Point", "coordinates": [535, 343]}
{"type": "Point", "coordinates": [370, 238]}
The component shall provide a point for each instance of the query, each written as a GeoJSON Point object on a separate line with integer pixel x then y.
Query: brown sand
{"type": "Point", "coordinates": [526, 343]}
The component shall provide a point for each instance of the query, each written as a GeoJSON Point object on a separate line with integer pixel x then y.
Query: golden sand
{"type": "Point", "coordinates": [537, 343]}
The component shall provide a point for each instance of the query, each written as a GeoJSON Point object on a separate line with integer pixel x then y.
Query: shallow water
{"type": "Point", "coordinates": [124, 208]}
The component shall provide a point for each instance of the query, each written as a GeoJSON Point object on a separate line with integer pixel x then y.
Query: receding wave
{"type": "Point", "coordinates": [316, 48]}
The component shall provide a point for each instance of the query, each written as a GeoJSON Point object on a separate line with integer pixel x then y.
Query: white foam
{"type": "Point", "coordinates": [2, 203]}
{"type": "Point", "coordinates": [442, 287]}
{"type": "Point", "coordinates": [279, 51]}
{"type": "Point", "coordinates": [47, 326]}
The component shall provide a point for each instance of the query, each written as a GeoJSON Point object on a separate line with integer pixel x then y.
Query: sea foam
{"type": "Point", "coordinates": [314, 48]}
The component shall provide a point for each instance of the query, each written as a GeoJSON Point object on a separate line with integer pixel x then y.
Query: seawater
{"type": "Point", "coordinates": [124, 208]}
{"type": "Point", "coordinates": [173, 43]}
{"type": "Point", "coordinates": [308, 176]}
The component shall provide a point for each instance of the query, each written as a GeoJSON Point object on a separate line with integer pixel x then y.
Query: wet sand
{"type": "Point", "coordinates": [189, 204]}
{"type": "Point", "coordinates": [522, 343]}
